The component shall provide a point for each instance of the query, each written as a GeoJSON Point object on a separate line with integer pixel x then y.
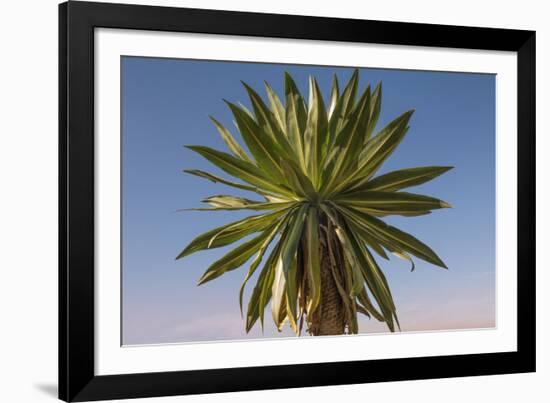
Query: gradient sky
{"type": "Point", "coordinates": [166, 104]}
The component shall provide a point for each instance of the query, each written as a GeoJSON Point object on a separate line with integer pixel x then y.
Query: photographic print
{"type": "Point", "coordinates": [269, 200]}
{"type": "Point", "coordinates": [253, 201]}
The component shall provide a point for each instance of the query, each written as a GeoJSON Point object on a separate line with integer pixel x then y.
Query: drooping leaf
{"type": "Point", "coordinates": [288, 255]}
{"type": "Point", "coordinates": [363, 297]}
{"type": "Point", "coordinates": [356, 275]}
{"type": "Point", "coordinates": [374, 278]}
{"type": "Point", "coordinates": [313, 264]}
{"type": "Point", "coordinates": [359, 257]}
{"type": "Point", "coordinates": [278, 292]}
{"type": "Point", "coordinates": [364, 235]}
{"type": "Point", "coordinates": [253, 310]}
{"type": "Point", "coordinates": [402, 239]}
{"type": "Point", "coordinates": [266, 293]}
{"type": "Point", "coordinates": [257, 260]}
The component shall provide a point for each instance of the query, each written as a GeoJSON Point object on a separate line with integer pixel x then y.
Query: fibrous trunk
{"type": "Point", "coordinates": [329, 317]}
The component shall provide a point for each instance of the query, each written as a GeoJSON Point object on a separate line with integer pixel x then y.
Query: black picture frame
{"type": "Point", "coordinates": [77, 379]}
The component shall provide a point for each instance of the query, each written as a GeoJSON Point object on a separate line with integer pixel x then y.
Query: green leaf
{"type": "Point", "coordinates": [313, 264]}
{"type": "Point", "coordinates": [262, 146]}
{"type": "Point", "coordinates": [380, 147]}
{"type": "Point", "coordinates": [230, 201]}
{"type": "Point", "coordinates": [390, 202]}
{"type": "Point", "coordinates": [334, 95]}
{"type": "Point", "coordinates": [288, 256]}
{"type": "Point", "coordinates": [262, 286]}
{"type": "Point", "coordinates": [276, 107]}
{"type": "Point", "coordinates": [225, 202]}
{"type": "Point", "coordinates": [240, 169]}
{"type": "Point", "coordinates": [257, 260]}
{"type": "Point", "coordinates": [345, 104]}
{"type": "Point", "coordinates": [404, 178]}
{"type": "Point", "coordinates": [296, 117]}
{"type": "Point", "coordinates": [230, 141]}
{"type": "Point", "coordinates": [235, 258]}
{"type": "Point", "coordinates": [374, 110]}
{"type": "Point", "coordinates": [299, 183]}
{"type": "Point", "coordinates": [364, 299]}
{"type": "Point", "coordinates": [316, 132]}
{"type": "Point", "coordinates": [231, 232]}
{"type": "Point", "coordinates": [405, 241]}
{"type": "Point", "coordinates": [217, 179]}
{"type": "Point", "coordinates": [269, 124]}
{"type": "Point", "coordinates": [374, 278]}
{"type": "Point", "coordinates": [349, 144]}
{"type": "Point", "coordinates": [356, 222]}
{"type": "Point", "coordinates": [365, 236]}
{"type": "Point", "coordinates": [278, 292]}
{"type": "Point", "coordinates": [356, 274]}
{"type": "Point", "coordinates": [359, 257]}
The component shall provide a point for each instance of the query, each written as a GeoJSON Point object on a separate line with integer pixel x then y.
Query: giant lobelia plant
{"type": "Point", "coordinates": [319, 207]}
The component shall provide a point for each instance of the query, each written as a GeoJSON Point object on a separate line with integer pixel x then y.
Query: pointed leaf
{"type": "Point", "coordinates": [403, 178]}
{"type": "Point", "coordinates": [390, 202]}
{"type": "Point", "coordinates": [276, 107]}
{"type": "Point", "coordinates": [402, 239]}
{"type": "Point", "coordinates": [296, 116]}
{"type": "Point", "coordinates": [225, 202]}
{"type": "Point", "coordinates": [240, 169]}
{"type": "Point", "coordinates": [235, 258]}
{"type": "Point", "coordinates": [261, 145]}
{"type": "Point", "coordinates": [348, 142]}
{"type": "Point", "coordinates": [380, 147]}
{"type": "Point", "coordinates": [316, 132]}
{"type": "Point", "coordinates": [217, 179]}
{"type": "Point", "coordinates": [233, 145]}
{"type": "Point", "coordinates": [231, 232]}
{"type": "Point", "coordinates": [374, 110]}
{"type": "Point", "coordinates": [334, 95]}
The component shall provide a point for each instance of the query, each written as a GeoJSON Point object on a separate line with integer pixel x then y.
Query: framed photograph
{"type": "Point", "coordinates": [256, 201]}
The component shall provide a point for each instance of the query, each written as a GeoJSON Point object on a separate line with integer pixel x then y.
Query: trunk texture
{"type": "Point", "coordinates": [329, 317]}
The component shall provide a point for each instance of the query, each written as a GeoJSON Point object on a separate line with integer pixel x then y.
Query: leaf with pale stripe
{"type": "Point", "coordinates": [404, 178]}
{"type": "Point", "coordinates": [232, 144]}
{"type": "Point", "coordinates": [231, 232]}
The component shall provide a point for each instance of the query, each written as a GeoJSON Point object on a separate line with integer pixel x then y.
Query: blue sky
{"type": "Point", "coordinates": [165, 105]}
